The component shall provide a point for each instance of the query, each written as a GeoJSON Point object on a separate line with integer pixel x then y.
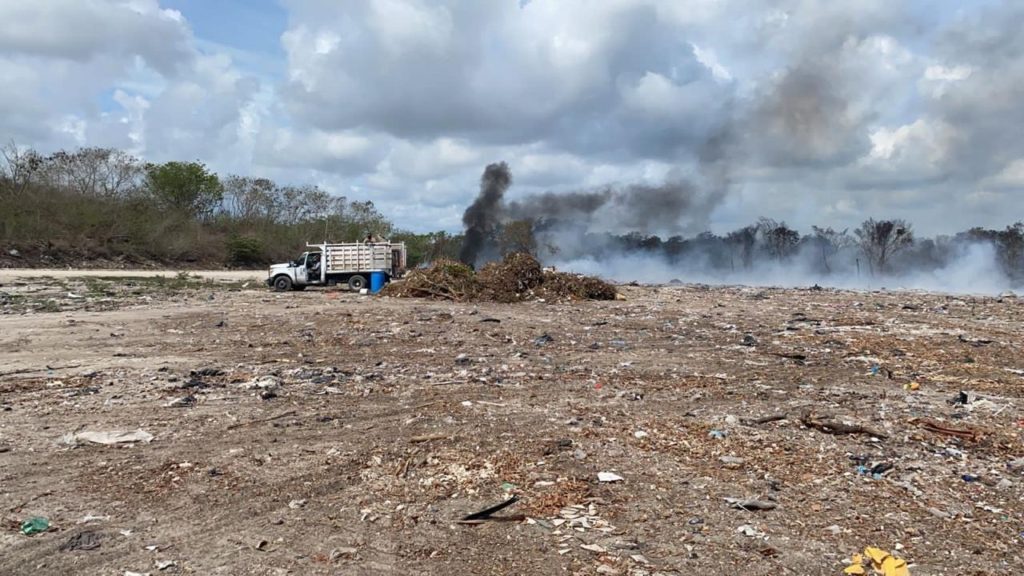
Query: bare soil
{"type": "Point", "coordinates": [325, 432]}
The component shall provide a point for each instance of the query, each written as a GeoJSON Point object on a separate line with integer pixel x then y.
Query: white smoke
{"type": "Point", "coordinates": [974, 269]}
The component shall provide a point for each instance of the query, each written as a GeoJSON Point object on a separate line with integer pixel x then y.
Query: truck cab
{"type": "Point", "coordinates": [293, 275]}
{"type": "Point", "coordinates": [356, 264]}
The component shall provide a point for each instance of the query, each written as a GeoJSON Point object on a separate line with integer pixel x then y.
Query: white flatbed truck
{"type": "Point", "coordinates": [355, 264]}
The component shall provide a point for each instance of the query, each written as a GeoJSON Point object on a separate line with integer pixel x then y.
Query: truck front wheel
{"type": "Point", "coordinates": [282, 284]}
{"type": "Point", "coordinates": [357, 282]}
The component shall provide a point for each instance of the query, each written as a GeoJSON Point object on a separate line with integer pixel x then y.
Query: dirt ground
{"type": "Point", "coordinates": [8, 275]}
{"type": "Point", "coordinates": [325, 432]}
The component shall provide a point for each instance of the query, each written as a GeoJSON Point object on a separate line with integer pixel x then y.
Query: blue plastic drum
{"type": "Point", "coordinates": [377, 281]}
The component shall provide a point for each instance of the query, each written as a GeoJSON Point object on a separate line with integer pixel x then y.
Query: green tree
{"type": "Point", "coordinates": [188, 188]}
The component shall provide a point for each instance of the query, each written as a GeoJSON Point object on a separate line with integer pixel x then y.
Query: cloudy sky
{"type": "Point", "coordinates": [812, 112]}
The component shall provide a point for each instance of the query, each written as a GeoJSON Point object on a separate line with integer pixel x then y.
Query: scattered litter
{"type": "Point", "coordinates": [750, 531]}
{"type": "Point", "coordinates": [609, 477]}
{"type": "Point", "coordinates": [880, 561]}
{"type": "Point", "coordinates": [81, 541]}
{"type": "Point", "coordinates": [717, 434]}
{"type": "Point", "coordinates": [93, 518]}
{"type": "Point", "coordinates": [822, 423]}
{"type": "Point", "coordinates": [184, 402]}
{"type": "Point", "coordinates": [542, 340]}
{"type": "Point", "coordinates": [35, 526]}
{"type": "Point", "coordinates": [207, 372]}
{"type": "Point", "coordinates": [164, 564]}
{"type": "Point", "coordinates": [342, 552]}
{"type": "Point", "coordinates": [108, 438]}
{"type": "Point", "coordinates": [939, 428]}
{"type": "Point", "coordinates": [487, 514]}
{"type": "Point", "coordinates": [429, 437]}
{"type": "Point", "coordinates": [750, 504]}
{"type": "Point", "coordinates": [964, 397]}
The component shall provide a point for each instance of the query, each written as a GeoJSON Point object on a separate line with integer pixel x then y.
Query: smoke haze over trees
{"type": "Point", "coordinates": [571, 231]}
{"type": "Point", "coordinates": [104, 204]}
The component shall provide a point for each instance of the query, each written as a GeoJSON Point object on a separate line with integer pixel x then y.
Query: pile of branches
{"type": "Point", "coordinates": [563, 285]}
{"type": "Point", "coordinates": [517, 278]}
{"type": "Point", "coordinates": [442, 280]}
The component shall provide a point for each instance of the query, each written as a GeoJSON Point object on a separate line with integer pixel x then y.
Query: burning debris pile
{"type": "Point", "coordinates": [517, 278]}
{"type": "Point", "coordinates": [443, 280]}
{"type": "Point", "coordinates": [507, 281]}
{"type": "Point", "coordinates": [656, 233]}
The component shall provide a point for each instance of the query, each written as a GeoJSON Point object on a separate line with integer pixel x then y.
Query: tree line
{"type": "Point", "coordinates": [105, 204]}
{"type": "Point", "coordinates": [876, 248]}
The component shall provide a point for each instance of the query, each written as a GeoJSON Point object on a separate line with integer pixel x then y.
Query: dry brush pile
{"type": "Point", "coordinates": [517, 278]}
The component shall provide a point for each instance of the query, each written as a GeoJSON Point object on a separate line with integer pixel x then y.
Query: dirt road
{"type": "Point", "coordinates": [11, 274]}
{"type": "Point", "coordinates": [325, 432]}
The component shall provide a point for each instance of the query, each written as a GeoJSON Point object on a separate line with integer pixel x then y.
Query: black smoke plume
{"type": "Point", "coordinates": [676, 206]}
{"type": "Point", "coordinates": [483, 216]}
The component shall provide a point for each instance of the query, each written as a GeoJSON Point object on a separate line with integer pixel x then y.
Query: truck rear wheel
{"type": "Point", "coordinates": [357, 282]}
{"type": "Point", "coordinates": [282, 284]}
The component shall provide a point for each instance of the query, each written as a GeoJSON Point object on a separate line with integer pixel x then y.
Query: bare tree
{"type": "Point", "coordinates": [518, 236]}
{"type": "Point", "coordinates": [881, 239]}
{"type": "Point", "coordinates": [744, 241]}
{"type": "Point", "coordinates": [779, 239]}
{"type": "Point", "coordinates": [829, 243]}
{"type": "Point", "coordinates": [97, 172]}
{"type": "Point", "coordinates": [250, 199]}
{"type": "Point", "coordinates": [20, 167]}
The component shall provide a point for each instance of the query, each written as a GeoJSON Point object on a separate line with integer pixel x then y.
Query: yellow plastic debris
{"type": "Point", "coordinates": [895, 567]}
{"type": "Point", "coordinates": [913, 386]}
{"type": "Point", "coordinates": [884, 563]}
{"type": "Point", "coordinates": [876, 554]}
{"type": "Point", "coordinates": [856, 566]}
